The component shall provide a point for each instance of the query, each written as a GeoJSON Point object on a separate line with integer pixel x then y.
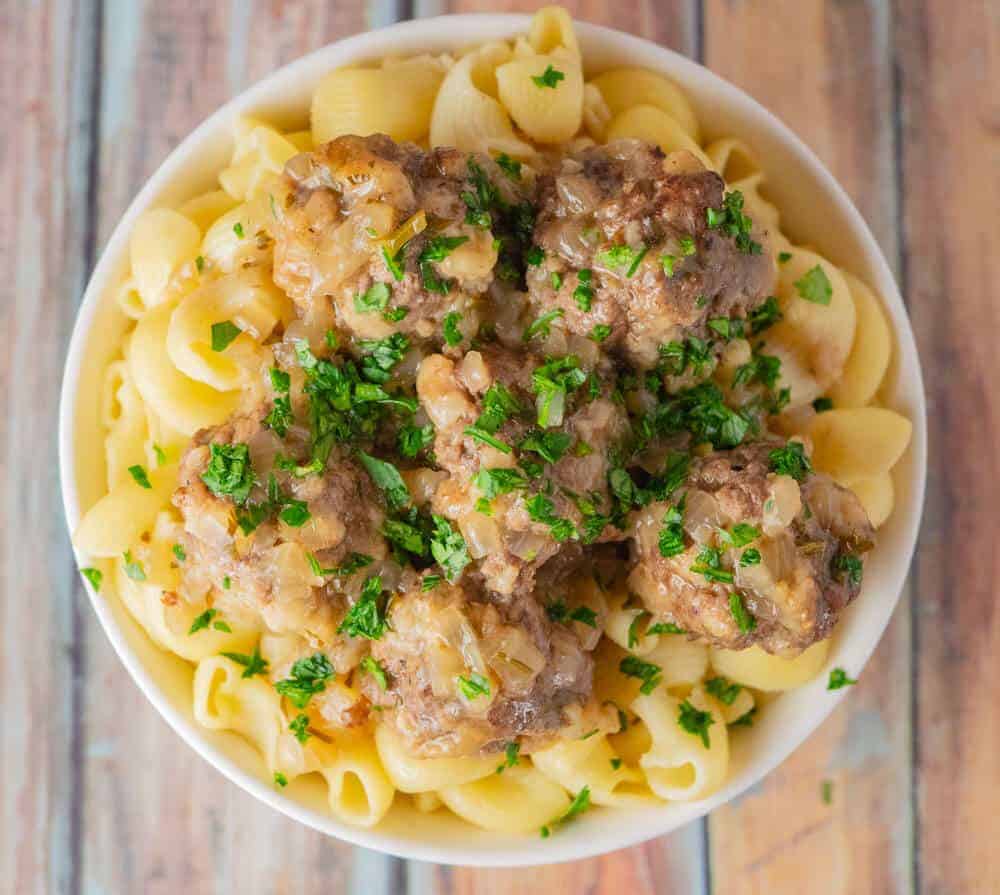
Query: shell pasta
{"type": "Point", "coordinates": [460, 473]}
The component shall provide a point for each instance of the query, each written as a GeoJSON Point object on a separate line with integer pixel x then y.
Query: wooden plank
{"type": "Point", "coordinates": [949, 65]}
{"type": "Point", "coordinates": [156, 818]}
{"type": "Point", "coordinates": [673, 863]}
{"type": "Point", "coordinates": [825, 69]}
{"type": "Point", "coordinates": [46, 77]}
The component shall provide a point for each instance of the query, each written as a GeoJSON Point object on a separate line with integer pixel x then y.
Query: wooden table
{"type": "Point", "coordinates": [899, 100]}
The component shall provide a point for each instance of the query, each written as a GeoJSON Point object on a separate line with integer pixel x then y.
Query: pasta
{"type": "Point", "coordinates": [285, 337]}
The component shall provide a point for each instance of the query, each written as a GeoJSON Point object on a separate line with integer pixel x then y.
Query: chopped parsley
{"type": "Point", "coordinates": [223, 334]}
{"type": "Point", "coordinates": [722, 689]}
{"type": "Point", "coordinates": [616, 763]}
{"type": "Point", "coordinates": [201, 622]}
{"type": "Point", "coordinates": [550, 446]}
{"type": "Point", "coordinates": [448, 548]}
{"type": "Point", "coordinates": [695, 722]}
{"type": "Point", "coordinates": [600, 332]}
{"type": "Point", "coordinates": [583, 295]}
{"type": "Point", "coordinates": [750, 557]}
{"type": "Point", "coordinates": [815, 286]}
{"type": "Point", "coordinates": [139, 474]}
{"type": "Point", "coordinates": [664, 628]}
{"type": "Point", "coordinates": [388, 479]}
{"type": "Point", "coordinates": [826, 792]}
{"type": "Point", "coordinates": [238, 229]}
{"type": "Point", "coordinates": [790, 460]}
{"type": "Point", "coordinates": [651, 675]}
{"type": "Point", "coordinates": [622, 257]}
{"type": "Point", "coordinates": [308, 677]}
{"type": "Point", "coordinates": [541, 509]}
{"type": "Point", "coordinates": [479, 203]}
{"type": "Point", "coordinates": [485, 437]}
{"type": "Point", "coordinates": [580, 803]}
{"type": "Point", "coordinates": [744, 620]}
{"type": "Point", "coordinates": [839, 679]}
{"type": "Point", "coordinates": [394, 315]}
{"type": "Point", "coordinates": [473, 686]}
{"type": "Point", "coordinates": [429, 582]}
{"type": "Point", "coordinates": [671, 540]}
{"type": "Point", "coordinates": [540, 326]}
{"type": "Point", "coordinates": [633, 629]}
{"type": "Point", "coordinates": [509, 166]}
{"type": "Point", "coordinates": [849, 568]}
{"type": "Point", "coordinates": [548, 78]}
{"type": "Point", "coordinates": [687, 246]}
{"type": "Point", "coordinates": [375, 669]}
{"type": "Point", "coordinates": [731, 220]}
{"type": "Point", "coordinates": [374, 298]}
{"type": "Point", "coordinates": [94, 576]}
{"type": "Point", "coordinates": [161, 455]}
{"type": "Point", "coordinates": [452, 334]}
{"type": "Point", "coordinates": [280, 417]}
{"type": "Point", "coordinates": [740, 535]}
{"type": "Point", "coordinates": [745, 720]}
{"type": "Point", "coordinates": [676, 357]}
{"type": "Point", "coordinates": [784, 257]}
{"type": "Point", "coordinates": [511, 752]}
{"type": "Point", "coordinates": [393, 263]}
{"type": "Point", "coordinates": [229, 473]}
{"type": "Point", "coordinates": [199, 262]}
{"type": "Point", "coordinates": [667, 262]}
{"type": "Point", "coordinates": [552, 382]}
{"type": "Point", "coordinates": [253, 663]}
{"type": "Point", "coordinates": [821, 405]}
{"type": "Point", "coordinates": [708, 564]}
{"type": "Point", "coordinates": [300, 727]}
{"type": "Point", "coordinates": [560, 613]}
{"type": "Point", "coordinates": [280, 779]}
{"type": "Point", "coordinates": [411, 440]}
{"type": "Point", "coordinates": [494, 482]}
{"type": "Point", "coordinates": [762, 368]}
{"type": "Point", "coordinates": [556, 279]}
{"type": "Point", "coordinates": [726, 327]}
{"type": "Point", "coordinates": [498, 406]}
{"type": "Point", "coordinates": [534, 256]}
{"type": "Point", "coordinates": [133, 568]}
{"type": "Point", "coordinates": [764, 316]}
{"type": "Point", "coordinates": [366, 618]}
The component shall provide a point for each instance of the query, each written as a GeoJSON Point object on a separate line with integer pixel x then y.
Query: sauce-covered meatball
{"type": "Point", "coordinates": [644, 246]}
{"type": "Point", "coordinates": [753, 549]}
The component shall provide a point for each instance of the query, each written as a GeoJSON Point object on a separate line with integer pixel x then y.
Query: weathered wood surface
{"type": "Point", "coordinates": [899, 100]}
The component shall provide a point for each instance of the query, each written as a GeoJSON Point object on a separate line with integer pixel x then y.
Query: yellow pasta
{"type": "Point", "coordinates": [546, 114]}
{"type": "Point", "coordinates": [754, 668]}
{"type": "Point", "coordinates": [625, 88]}
{"type": "Point", "coordinates": [655, 126]}
{"type": "Point", "coordinates": [877, 495]}
{"type": "Point", "coordinates": [260, 155]}
{"type": "Point", "coordinates": [488, 802]}
{"type": "Point", "coordinates": [858, 442]}
{"type": "Point", "coordinates": [410, 774]}
{"type": "Point", "coordinates": [396, 100]}
{"type": "Point", "coordinates": [162, 243]}
{"type": "Point", "coordinates": [574, 764]}
{"type": "Point", "coordinates": [207, 208]}
{"type": "Point", "coordinates": [552, 28]}
{"type": "Point", "coordinates": [869, 358]}
{"type": "Point", "coordinates": [360, 792]}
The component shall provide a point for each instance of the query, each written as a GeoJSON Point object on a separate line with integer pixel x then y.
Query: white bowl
{"type": "Point", "coordinates": [815, 210]}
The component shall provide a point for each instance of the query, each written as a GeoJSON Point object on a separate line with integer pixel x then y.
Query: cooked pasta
{"type": "Point", "coordinates": [461, 473]}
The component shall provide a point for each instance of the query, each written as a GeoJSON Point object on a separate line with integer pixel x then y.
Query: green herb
{"type": "Point", "coordinates": [139, 474]}
{"type": "Point", "coordinates": [375, 669]}
{"type": "Point", "coordinates": [583, 295]}
{"type": "Point", "coordinates": [238, 229]}
{"type": "Point", "coordinates": [222, 626]}
{"type": "Point", "coordinates": [379, 358]}
{"type": "Point", "coordinates": [394, 315]}
{"type": "Point", "coordinates": [498, 406]}
{"type": "Point", "coordinates": [486, 438]}
{"type": "Point", "coordinates": [366, 618]}
{"type": "Point", "coordinates": [600, 332]}
{"type": "Point", "coordinates": [783, 257]}
{"type": "Point", "coordinates": [393, 263]}
{"type": "Point", "coordinates": [762, 368]}
{"type": "Point", "coordinates": [740, 535]}
{"type": "Point", "coordinates": [534, 256]}
{"type": "Point", "coordinates": [300, 726]}
{"type": "Point", "coordinates": [559, 612]}
{"type": "Point", "coordinates": [229, 473]}
{"type": "Point", "coordinates": [94, 576]}
{"type": "Point", "coordinates": [815, 286]}
{"type": "Point", "coordinates": [744, 620]}
{"type": "Point", "coordinates": [664, 628]}
{"type": "Point", "coordinates": [676, 357]}
{"type": "Point", "coordinates": [552, 382]}
{"type": "Point", "coordinates": [633, 629]}
{"type": "Point", "coordinates": [201, 622]}
{"type": "Point", "coordinates": [223, 334]}
{"type": "Point", "coordinates": [790, 460]}
{"type": "Point", "coordinates": [580, 803]}
{"type": "Point", "coordinates": [540, 326]}
{"type": "Point", "coordinates": [199, 262]}
{"type": "Point", "coordinates": [511, 752]}
{"type": "Point", "coordinates": [388, 479]}
{"type": "Point", "coordinates": [411, 439]}
{"type": "Point", "coordinates": [826, 792]}
{"type": "Point", "coordinates": [295, 513]}
{"type": "Point", "coordinates": [479, 203]}
{"type": "Point", "coordinates": [548, 78]}
{"type": "Point", "coordinates": [161, 455]}
{"type": "Point", "coordinates": [280, 417]}
{"type": "Point", "coordinates": [764, 316]}
{"type": "Point", "coordinates": [667, 262]}
{"type": "Point", "coordinates": [374, 298]}
{"type": "Point", "coordinates": [849, 568]}
{"type": "Point", "coordinates": [708, 564]}
{"type": "Point", "coordinates": [429, 582]}
{"type": "Point", "coordinates": [452, 334]}
{"type": "Point", "coordinates": [448, 548]}
{"type": "Point", "coordinates": [509, 166]}
{"type": "Point", "coordinates": [821, 405]}
{"type": "Point", "coordinates": [723, 690]}
{"type": "Point", "coordinates": [671, 540]}
{"type": "Point", "coordinates": [839, 679]}
{"type": "Point", "coordinates": [494, 482]}
{"type": "Point", "coordinates": [555, 278]}
{"type": "Point", "coordinates": [541, 509]}
{"type": "Point", "coordinates": [550, 446]}
{"type": "Point", "coordinates": [252, 664]}
{"type": "Point", "coordinates": [745, 720]}
{"type": "Point", "coordinates": [473, 686]}
{"type": "Point", "coordinates": [620, 257]}
{"type": "Point", "coordinates": [308, 677]}
{"type": "Point", "coordinates": [133, 568]}
{"type": "Point", "coordinates": [280, 779]}
{"type": "Point", "coordinates": [695, 722]}
{"type": "Point", "coordinates": [687, 246]}
{"type": "Point", "coordinates": [616, 763]}
{"type": "Point", "coordinates": [440, 247]}
{"type": "Point", "coordinates": [226, 582]}
{"type": "Point", "coordinates": [733, 222]}
{"type": "Point", "coordinates": [750, 557]}
{"type": "Point", "coordinates": [651, 675]}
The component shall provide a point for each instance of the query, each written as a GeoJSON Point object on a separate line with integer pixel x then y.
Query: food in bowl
{"type": "Point", "coordinates": [488, 444]}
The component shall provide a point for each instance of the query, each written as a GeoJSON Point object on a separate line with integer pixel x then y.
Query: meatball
{"type": "Point", "coordinates": [465, 677]}
{"type": "Point", "coordinates": [754, 549]}
{"type": "Point", "coordinates": [519, 493]}
{"type": "Point", "coordinates": [644, 245]}
{"type": "Point", "coordinates": [251, 527]}
{"type": "Point", "coordinates": [397, 237]}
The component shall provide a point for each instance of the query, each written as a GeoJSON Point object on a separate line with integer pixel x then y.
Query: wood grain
{"type": "Point", "coordinates": [949, 65]}
{"type": "Point", "coordinates": [837, 55]}
{"type": "Point", "coordinates": [46, 78]}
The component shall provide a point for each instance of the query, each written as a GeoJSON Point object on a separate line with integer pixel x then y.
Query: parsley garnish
{"type": "Point", "coordinates": [695, 722]}
{"type": "Point", "coordinates": [494, 482]}
{"type": "Point", "coordinates": [375, 669]}
{"type": "Point", "coordinates": [744, 620]}
{"type": "Point", "coordinates": [708, 564]}
{"type": "Point", "coordinates": [141, 478]}
{"type": "Point", "coordinates": [479, 203]}
{"type": "Point", "coordinates": [849, 568]}
{"type": "Point", "coordinates": [552, 382]}
{"type": "Point", "coordinates": [202, 621]}
{"type": "Point", "coordinates": [839, 679]}
{"type": "Point", "coordinates": [580, 803]}
{"type": "Point", "coordinates": [374, 298]}
{"type": "Point", "coordinates": [238, 229]}
{"type": "Point", "coordinates": [252, 664]}
{"type": "Point", "coordinates": [429, 582]}
{"type": "Point", "coordinates": [826, 792]}
{"type": "Point", "coordinates": [388, 479]}
{"type": "Point", "coordinates": [548, 78]}
{"type": "Point", "coordinates": [94, 576]}
{"type": "Point", "coordinates": [280, 417]}
{"type": "Point", "coordinates": [473, 686]}
{"type": "Point", "coordinates": [821, 405]}
{"type": "Point", "coordinates": [559, 612]}
{"type": "Point", "coordinates": [394, 263]}
{"type": "Point", "coordinates": [280, 779]}
{"type": "Point", "coordinates": [783, 257]}
{"type": "Point", "coordinates": [223, 334]}
{"type": "Point", "coordinates": [229, 473]}
{"type": "Point", "coordinates": [815, 286]}
{"type": "Point", "coordinates": [790, 460]}
{"type": "Point", "coordinates": [485, 437]}
{"type": "Point", "coordinates": [448, 548]}
{"type": "Point", "coordinates": [750, 557]}
{"type": "Point", "coordinates": [308, 677]}
{"type": "Point", "coordinates": [764, 316]}
{"type": "Point", "coordinates": [600, 332]}
{"type": "Point", "coordinates": [733, 222]}
{"type": "Point", "coordinates": [510, 756]}
{"type": "Point", "coordinates": [133, 568]}
{"type": "Point", "coordinates": [671, 541]}
{"type": "Point", "coordinates": [300, 727]}
{"type": "Point", "coordinates": [541, 509]}
{"type": "Point", "coordinates": [365, 618]}
{"type": "Point", "coordinates": [650, 674]}
{"type": "Point", "coordinates": [583, 295]}
{"type": "Point", "coordinates": [664, 628]}
{"type": "Point", "coordinates": [411, 439]}
{"type": "Point", "coordinates": [540, 326]}
{"type": "Point", "coordinates": [723, 690]}
{"type": "Point", "coordinates": [550, 446]}
{"type": "Point", "coordinates": [452, 334]}
{"type": "Point", "coordinates": [509, 166]}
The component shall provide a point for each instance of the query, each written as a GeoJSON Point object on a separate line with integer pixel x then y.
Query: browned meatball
{"type": "Point", "coordinates": [629, 247]}
{"type": "Point", "coordinates": [396, 237]}
{"type": "Point", "coordinates": [465, 676]}
{"type": "Point", "coordinates": [753, 549]}
{"type": "Point", "coordinates": [250, 528]}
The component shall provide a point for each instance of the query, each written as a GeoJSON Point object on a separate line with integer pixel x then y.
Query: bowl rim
{"type": "Point", "coordinates": [451, 29]}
